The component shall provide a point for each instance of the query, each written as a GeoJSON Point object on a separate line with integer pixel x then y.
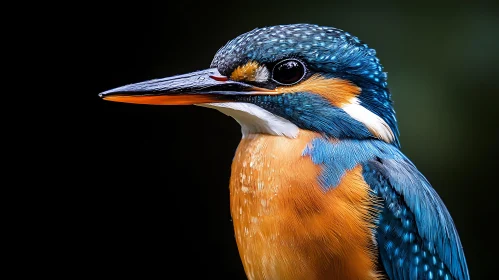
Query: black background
{"type": "Point", "coordinates": [147, 186]}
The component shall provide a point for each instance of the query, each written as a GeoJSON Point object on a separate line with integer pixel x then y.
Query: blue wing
{"type": "Point", "coordinates": [415, 233]}
{"type": "Point", "coordinates": [416, 236]}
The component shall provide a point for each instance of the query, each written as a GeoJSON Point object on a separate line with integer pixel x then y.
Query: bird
{"type": "Point", "coordinates": [319, 186]}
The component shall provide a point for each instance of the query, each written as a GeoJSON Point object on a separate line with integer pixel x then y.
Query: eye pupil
{"type": "Point", "coordinates": [288, 72]}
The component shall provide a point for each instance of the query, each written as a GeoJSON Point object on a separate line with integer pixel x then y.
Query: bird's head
{"type": "Point", "coordinates": [277, 80]}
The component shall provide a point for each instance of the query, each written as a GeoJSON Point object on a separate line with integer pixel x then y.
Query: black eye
{"type": "Point", "coordinates": [288, 72]}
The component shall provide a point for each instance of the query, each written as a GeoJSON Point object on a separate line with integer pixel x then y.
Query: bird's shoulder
{"type": "Point", "coordinates": [416, 236]}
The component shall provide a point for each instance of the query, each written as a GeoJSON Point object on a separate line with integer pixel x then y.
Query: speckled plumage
{"type": "Point", "coordinates": [319, 186]}
{"type": "Point", "coordinates": [415, 235]}
{"type": "Point", "coordinates": [331, 49]}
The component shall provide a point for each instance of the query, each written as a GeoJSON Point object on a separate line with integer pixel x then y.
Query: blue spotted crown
{"type": "Point", "coordinates": [326, 49]}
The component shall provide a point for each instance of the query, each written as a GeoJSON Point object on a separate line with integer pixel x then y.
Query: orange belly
{"type": "Point", "coordinates": [287, 226]}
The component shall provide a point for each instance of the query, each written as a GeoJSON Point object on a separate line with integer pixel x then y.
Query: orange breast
{"type": "Point", "coordinates": [287, 226]}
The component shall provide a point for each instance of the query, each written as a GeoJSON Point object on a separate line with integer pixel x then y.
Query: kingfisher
{"type": "Point", "coordinates": [319, 187]}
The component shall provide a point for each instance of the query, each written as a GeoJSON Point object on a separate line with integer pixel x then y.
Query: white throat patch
{"type": "Point", "coordinates": [254, 119]}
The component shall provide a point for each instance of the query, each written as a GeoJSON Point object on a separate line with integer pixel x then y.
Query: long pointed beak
{"type": "Point", "coordinates": [206, 86]}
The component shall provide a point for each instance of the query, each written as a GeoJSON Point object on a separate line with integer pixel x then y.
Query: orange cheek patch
{"type": "Point", "coordinates": [246, 72]}
{"type": "Point", "coordinates": [337, 91]}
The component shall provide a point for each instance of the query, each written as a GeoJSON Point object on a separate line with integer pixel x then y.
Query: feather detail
{"type": "Point", "coordinates": [416, 236]}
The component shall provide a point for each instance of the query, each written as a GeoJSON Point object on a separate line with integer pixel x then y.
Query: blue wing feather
{"type": "Point", "coordinates": [415, 233]}
{"type": "Point", "coordinates": [416, 236]}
